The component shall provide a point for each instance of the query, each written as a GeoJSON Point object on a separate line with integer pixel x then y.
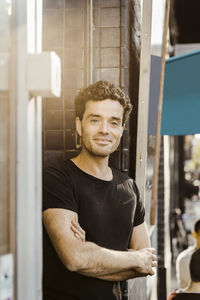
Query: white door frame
{"type": "Point", "coordinates": [26, 237]}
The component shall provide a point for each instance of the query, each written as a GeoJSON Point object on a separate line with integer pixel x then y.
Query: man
{"type": "Point", "coordinates": [97, 236]}
{"type": "Point", "coordinates": [183, 259]}
{"type": "Point", "coordinates": [192, 292]}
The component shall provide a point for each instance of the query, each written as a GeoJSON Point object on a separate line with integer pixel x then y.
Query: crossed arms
{"type": "Point", "coordinates": [89, 259]}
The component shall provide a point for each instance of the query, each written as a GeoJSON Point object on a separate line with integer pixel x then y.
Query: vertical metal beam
{"type": "Point", "coordinates": [143, 103]}
{"type": "Point", "coordinates": [158, 137]}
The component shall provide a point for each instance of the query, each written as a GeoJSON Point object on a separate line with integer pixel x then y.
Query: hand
{"type": "Point", "coordinates": [79, 233]}
{"type": "Point", "coordinates": [146, 259]}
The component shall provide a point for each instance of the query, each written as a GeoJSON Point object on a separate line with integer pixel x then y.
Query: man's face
{"type": "Point", "coordinates": [101, 127]}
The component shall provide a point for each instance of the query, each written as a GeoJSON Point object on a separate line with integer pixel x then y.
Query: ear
{"type": "Point", "coordinates": [78, 126]}
{"type": "Point", "coordinates": [194, 234]}
{"type": "Point", "coordinates": [122, 129]}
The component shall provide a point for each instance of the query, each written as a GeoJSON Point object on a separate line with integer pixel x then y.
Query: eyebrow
{"type": "Point", "coordinates": [99, 116]}
{"type": "Point", "coordinates": [93, 115]}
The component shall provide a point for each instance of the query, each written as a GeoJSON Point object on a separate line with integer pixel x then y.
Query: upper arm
{"type": "Point", "coordinates": [58, 225]}
{"type": "Point", "coordinates": [140, 237]}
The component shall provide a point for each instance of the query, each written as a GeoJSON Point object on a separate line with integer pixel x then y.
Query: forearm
{"type": "Point", "coordinates": [120, 276]}
{"type": "Point", "coordinates": [92, 260]}
{"type": "Point", "coordinates": [87, 258]}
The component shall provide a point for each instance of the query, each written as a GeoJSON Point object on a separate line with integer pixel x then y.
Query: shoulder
{"type": "Point", "coordinates": [123, 178]}
{"type": "Point", "coordinates": [120, 174]}
{"type": "Point", "coordinates": [125, 182]}
{"type": "Point", "coordinates": [178, 295]}
{"type": "Point", "coordinates": [59, 164]}
{"type": "Point", "coordinates": [185, 255]}
{"type": "Point", "coordinates": [172, 295]}
{"type": "Point", "coordinates": [58, 171]}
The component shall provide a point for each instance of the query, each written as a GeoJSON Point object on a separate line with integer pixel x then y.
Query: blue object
{"type": "Point", "coordinates": [181, 97]}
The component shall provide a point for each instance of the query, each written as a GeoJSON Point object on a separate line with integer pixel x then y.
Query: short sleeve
{"type": "Point", "coordinates": [140, 211]}
{"type": "Point", "coordinates": [58, 189]}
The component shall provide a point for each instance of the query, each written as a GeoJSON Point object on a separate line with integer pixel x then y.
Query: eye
{"type": "Point", "coordinates": [115, 123]}
{"type": "Point", "coordinates": [94, 121]}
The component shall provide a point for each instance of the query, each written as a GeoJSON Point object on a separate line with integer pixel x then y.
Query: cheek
{"type": "Point", "coordinates": [118, 134]}
{"type": "Point", "coordinates": [88, 132]}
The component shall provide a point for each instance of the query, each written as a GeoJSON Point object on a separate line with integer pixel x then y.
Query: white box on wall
{"type": "Point", "coordinates": [44, 74]}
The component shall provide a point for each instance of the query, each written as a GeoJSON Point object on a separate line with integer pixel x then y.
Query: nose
{"type": "Point", "coordinates": [104, 127]}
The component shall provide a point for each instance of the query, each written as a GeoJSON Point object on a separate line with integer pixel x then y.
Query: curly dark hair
{"type": "Point", "coordinates": [197, 226]}
{"type": "Point", "coordinates": [102, 90]}
{"type": "Point", "coordinates": [194, 266]}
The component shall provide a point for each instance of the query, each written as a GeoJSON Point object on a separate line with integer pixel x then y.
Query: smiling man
{"type": "Point", "coordinates": [95, 236]}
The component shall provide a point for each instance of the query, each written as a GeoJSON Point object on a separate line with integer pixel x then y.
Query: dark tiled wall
{"type": "Point", "coordinates": [66, 32]}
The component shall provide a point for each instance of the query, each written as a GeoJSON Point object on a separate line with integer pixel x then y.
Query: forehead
{"type": "Point", "coordinates": [107, 108]}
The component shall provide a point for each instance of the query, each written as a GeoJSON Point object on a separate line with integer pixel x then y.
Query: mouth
{"type": "Point", "coordinates": [102, 141]}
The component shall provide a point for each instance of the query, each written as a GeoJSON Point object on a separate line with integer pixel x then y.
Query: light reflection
{"type": "Point", "coordinates": [9, 7]}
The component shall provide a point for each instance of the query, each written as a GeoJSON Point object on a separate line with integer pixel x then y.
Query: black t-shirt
{"type": "Point", "coordinates": [184, 296]}
{"type": "Point", "coordinates": [107, 211]}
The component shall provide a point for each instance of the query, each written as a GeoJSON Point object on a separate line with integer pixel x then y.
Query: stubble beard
{"type": "Point", "coordinates": [95, 152]}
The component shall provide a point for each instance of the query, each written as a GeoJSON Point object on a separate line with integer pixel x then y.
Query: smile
{"type": "Point", "coordinates": [102, 141]}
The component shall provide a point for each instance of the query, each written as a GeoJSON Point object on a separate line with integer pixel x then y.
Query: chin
{"type": "Point", "coordinates": [99, 152]}
{"type": "Point", "coordinates": [102, 154]}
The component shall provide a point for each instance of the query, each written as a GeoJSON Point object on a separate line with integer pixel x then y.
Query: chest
{"type": "Point", "coordinates": [106, 213]}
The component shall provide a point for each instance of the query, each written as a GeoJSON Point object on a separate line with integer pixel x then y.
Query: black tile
{"type": "Point", "coordinates": [70, 141]}
{"type": "Point", "coordinates": [74, 18]}
{"type": "Point", "coordinates": [52, 155]}
{"type": "Point", "coordinates": [73, 78]}
{"type": "Point", "coordinates": [73, 58]}
{"type": "Point", "coordinates": [125, 160]}
{"type": "Point", "coordinates": [74, 3]}
{"type": "Point", "coordinates": [54, 119]}
{"type": "Point", "coordinates": [69, 96]}
{"type": "Point", "coordinates": [43, 140]}
{"type": "Point", "coordinates": [54, 140]}
{"type": "Point", "coordinates": [53, 4]}
{"type": "Point", "coordinates": [125, 140]}
{"type": "Point", "coordinates": [115, 160]}
{"type": "Point", "coordinates": [54, 103]}
{"type": "Point", "coordinates": [74, 38]}
{"type": "Point", "coordinates": [96, 3]}
{"type": "Point", "coordinates": [53, 29]}
{"type": "Point", "coordinates": [70, 120]}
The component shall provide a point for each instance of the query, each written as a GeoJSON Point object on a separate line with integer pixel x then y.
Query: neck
{"type": "Point", "coordinates": [198, 243]}
{"type": "Point", "coordinates": [194, 287]}
{"type": "Point", "coordinates": [94, 165]}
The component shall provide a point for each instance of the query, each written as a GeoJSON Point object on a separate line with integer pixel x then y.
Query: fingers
{"type": "Point", "coordinates": [152, 272]}
{"type": "Point", "coordinates": [154, 257]}
{"type": "Point", "coordinates": [147, 261]}
{"type": "Point", "coordinates": [152, 250]}
{"type": "Point", "coordinates": [154, 264]}
{"type": "Point", "coordinates": [79, 233]}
